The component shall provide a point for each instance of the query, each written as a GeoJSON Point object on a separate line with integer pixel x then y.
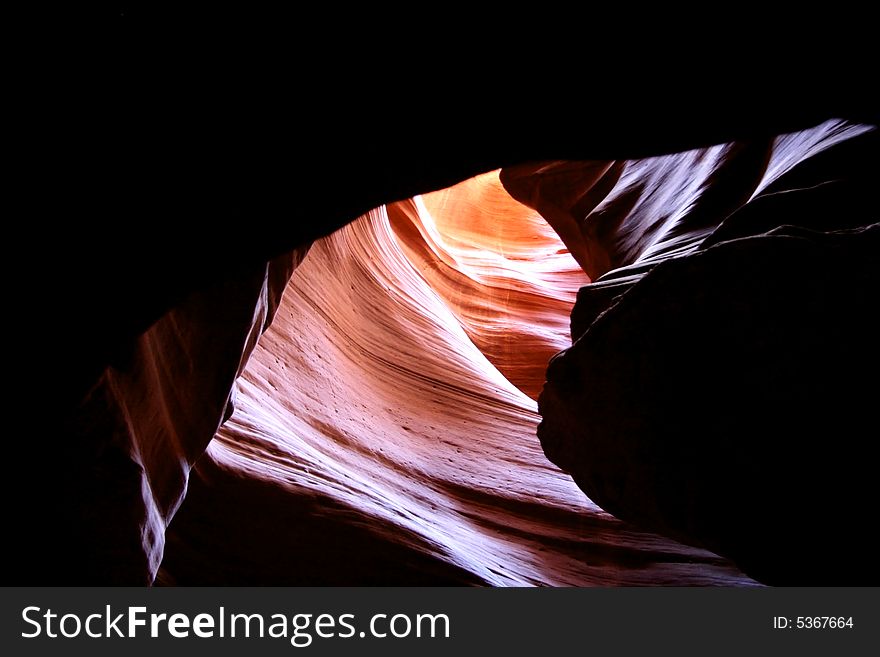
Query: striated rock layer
{"type": "Point", "coordinates": [627, 215]}
{"type": "Point", "coordinates": [501, 270]}
{"type": "Point", "coordinates": [385, 427]}
{"type": "Point", "coordinates": [719, 388]}
{"type": "Point", "coordinates": [375, 442]}
{"type": "Point", "coordinates": [150, 416]}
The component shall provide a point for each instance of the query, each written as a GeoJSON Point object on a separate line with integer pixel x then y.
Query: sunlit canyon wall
{"type": "Point", "coordinates": [393, 425]}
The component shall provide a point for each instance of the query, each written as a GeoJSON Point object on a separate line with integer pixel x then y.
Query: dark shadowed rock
{"type": "Point", "coordinates": [135, 436]}
{"type": "Point", "coordinates": [727, 400]}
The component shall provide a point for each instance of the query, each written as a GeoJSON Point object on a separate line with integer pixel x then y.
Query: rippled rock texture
{"type": "Point", "coordinates": [720, 391]}
{"type": "Point", "coordinates": [149, 417]}
{"type": "Point", "coordinates": [376, 438]}
{"type": "Point", "coordinates": [714, 309]}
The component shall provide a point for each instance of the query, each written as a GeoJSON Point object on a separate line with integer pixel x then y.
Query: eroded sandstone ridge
{"type": "Point", "coordinates": [150, 417]}
{"type": "Point", "coordinates": [375, 442]}
{"type": "Point", "coordinates": [718, 387]}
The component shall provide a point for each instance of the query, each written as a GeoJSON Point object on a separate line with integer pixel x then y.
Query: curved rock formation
{"type": "Point", "coordinates": [374, 442]}
{"type": "Point", "coordinates": [613, 214]}
{"type": "Point", "coordinates": [149, 418]}
{"type": "Point", "coordinates": [499, 268]}
{"type": "Point", "coordinates": [133, 338]}
{"type": "Point", "coordinates": [716, 389]}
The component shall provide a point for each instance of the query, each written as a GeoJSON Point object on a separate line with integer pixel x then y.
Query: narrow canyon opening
{"type": "Point", "coordinates": [386, 428]}
{"type": "Point", "coordinates": [560, 372]}
{"type": "Point", "coordinates": [385, 425]}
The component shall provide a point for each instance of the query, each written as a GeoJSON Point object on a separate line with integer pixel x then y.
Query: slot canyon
{"type": "Point", "coordinates": [606, 360]}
